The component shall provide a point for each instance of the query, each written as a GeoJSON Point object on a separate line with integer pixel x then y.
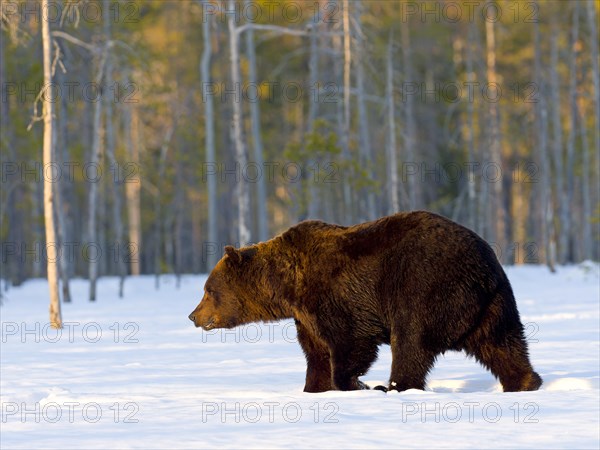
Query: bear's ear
{"type": "Point", "coordinates": [237, 256]}
{"type": "Point", "coordinates": [234, 254]}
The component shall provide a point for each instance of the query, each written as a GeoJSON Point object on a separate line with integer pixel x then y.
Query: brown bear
{"type": "Point", "coordinates": [416, 281]}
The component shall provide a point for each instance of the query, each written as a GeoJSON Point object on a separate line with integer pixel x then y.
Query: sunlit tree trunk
{"type": "Point", "coordinates": [345, 134]}
{"type": "Point", "coordinates": [48, 112]}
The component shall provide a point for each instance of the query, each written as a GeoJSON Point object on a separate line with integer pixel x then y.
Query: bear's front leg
{"type": "Point", "coordinates": [318, 361]}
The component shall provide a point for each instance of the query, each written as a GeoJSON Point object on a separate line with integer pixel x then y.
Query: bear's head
{"type": "Point", "coordinates": [236, 292]}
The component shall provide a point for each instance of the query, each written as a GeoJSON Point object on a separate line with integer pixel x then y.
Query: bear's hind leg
{"type": "Point", "coordinates": [410, 364]}
{"type": "Point", "coordinates": [508, 360]}
{"type": "Point", "coordinates": [318, 362]}
{"type": "Point", "coordinates": [351, 361]}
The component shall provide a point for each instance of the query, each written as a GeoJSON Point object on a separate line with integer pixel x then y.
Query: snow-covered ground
{"type": "Point", "coordinates": [135, 373]}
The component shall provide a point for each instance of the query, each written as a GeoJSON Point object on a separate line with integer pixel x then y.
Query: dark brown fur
{"type": "Point", "coordinates": [416, 281]}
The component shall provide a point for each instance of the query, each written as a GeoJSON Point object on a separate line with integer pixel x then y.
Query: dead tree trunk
{"type": "Point", "coordinates": [497, 197]}
{"type": "Point", "coordinates": [93, 183]}
{"type": "Point", "coordinates": [545, 213]}
{"type": "Point", "coordinates": [592, 17]}
{"type": "Point", "coordinates": [132, 189]}
{"type": "Point", "coordinates": [557, 144]}
{"type": "Point", "coordinates": [243, 194]}
{"type": "Point", "coordinates": [409, 118]}
{"type": "Point", "coordinates": [366, 156]}
{"type": "Point", "coordinates": [392, 163]}
{"type": "Point", "coordinates": [158, 220]}
{"type": "Point", "coordinates": [345, 134]}
{"type": "Point", "coordinates": [470, 131]}
{"type": "Point", "coordinates": [110, 152]}
{"type": "Point", "coordinates": [61, 209]}
{"type": "Point", "coordinates": [313, 106]}
{"type": "Point", "coordinates": [209, 140]}
{"type": "Point", "coordinates": [261, 192]}
{"type": "Point", "coordinates": [570, 163]}
{"type": "Point", "coordinates": [585, 243]}
{"type": "Point", "coordinates": [48, 112]}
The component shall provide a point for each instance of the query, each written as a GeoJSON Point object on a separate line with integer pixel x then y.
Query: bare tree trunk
{"type": "Point", "coordinates": [60, 197]}
{"type": "Point", "coordinates": [14, 192]}
{"type": "Point", "coordinates": [209, 135]}
{"type": "Point", "coordinates": [585, 242]}
{"type": "Point", "coordinates": [158, 220]}
{"type": "Point", "coordinates": [37, 207]}
{"type": "Point", "coordinates": [93, 192]}
{"type": "Point", "coordinates": [470, 131]}
{"type": "Point", "coordinates": [366, 155]}
{"type": "Point", "coordinates": [545, 215]}
{"type": "Point", "coordinates": [557, 144]}
{"type": "Point", "coordinates": [392, 163]}
{"type": "Point", "coordinates": [497, 197]}
{"type": "Point", "coordinates": [243, 194]}
{"type": "Point", "coordinates": [132, 189]}
{"type": "Point", "coordinates": [570, 163]}
{"type": "Point", "coordinates": [345, 132]}
{"type": "Point", "coordinates": [313, 68]}
{"type": "Point", "coordinates": [594, 163]}
{"type": "Point", "coordinates": [409, 118]}
{"type": "Point", "coordinates": [110, 152]}
{"type": "Point", "coordinates": [179, 224]}
{"type": "Point", "coordinates": [261, 192]}
{"type": "Point", "coordinates": [52, 256]}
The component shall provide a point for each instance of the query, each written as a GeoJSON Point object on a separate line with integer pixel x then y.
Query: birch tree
{"type": "Point", "coordinates": [48, 113]}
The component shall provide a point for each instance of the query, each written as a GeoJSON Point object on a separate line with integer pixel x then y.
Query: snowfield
{"type": "Point", "coordinates": [135, 373]}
